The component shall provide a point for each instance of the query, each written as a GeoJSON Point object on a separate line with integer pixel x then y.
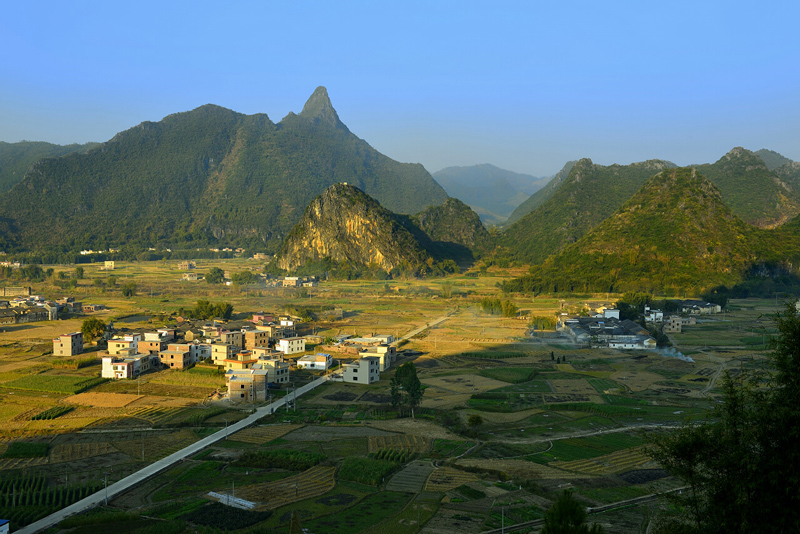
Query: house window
{"type": "Point", "coordinates": [355, 379]}
{"type": "Point", "coordinates": [242, 395]}
{"type": "Point", "coordinates": [242, 386]}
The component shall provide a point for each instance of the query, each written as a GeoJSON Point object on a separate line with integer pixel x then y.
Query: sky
{"type": "Point", "coordinates": [525, 86]}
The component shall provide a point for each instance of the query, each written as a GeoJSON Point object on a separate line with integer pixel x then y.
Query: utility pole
{"type": "Point", "coordinates": [105, 485]}
{"type": "Point", "coordinates": [226, 427]}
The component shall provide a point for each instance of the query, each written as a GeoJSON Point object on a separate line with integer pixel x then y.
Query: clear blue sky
{"type": "Point", "coordinates": [522, 85]}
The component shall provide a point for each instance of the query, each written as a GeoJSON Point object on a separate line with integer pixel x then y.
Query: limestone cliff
{"type": "Point", "coordinates": [346, 225]}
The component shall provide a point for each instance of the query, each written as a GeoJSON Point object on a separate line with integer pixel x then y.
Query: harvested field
{"type": "Point", "coordinates": [314, 482]}
{"type": "Point", "coordinates": [416, 427]}
{"type": "Point", "coordinates": [404, 441]}
{"type": "Point", "coordinates": [448, 521]}
{"type": "Point", "coordinates": [263, 434]}
{"type": "Point", "coordinates": [447, 478]}
{"type": "Point", "coordinates": [375, 398]}
{"type": "Point", "coordinates": [163, 402]}
{"type": "Point", "coordinates": [69, 452]}
{"type": "Point", "coordinates": [102, 400]}
{"type": "Point", "coordinates": [520, 469]}
{"type": "Point", "coordinates": [411, 478]}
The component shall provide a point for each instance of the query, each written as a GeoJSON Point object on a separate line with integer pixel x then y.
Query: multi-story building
{"type": "Point", "coordinates": [292, 345]}
{"type": "Point", "coordinates": [319, 361]}
{"type": "Point", "coordinates": [68, 344]}
{"type": "Point", "coordinates": [365, 370]}
{"type": "Point", "coordinates": [256, 338]}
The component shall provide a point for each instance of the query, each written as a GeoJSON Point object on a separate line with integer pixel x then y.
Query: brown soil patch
{"type": "Point", "coordinates": [315, 482]}
{"type": "Point", "coordinates": [403, 441]}
{"type": "Point", "coordinates": [102, 400]}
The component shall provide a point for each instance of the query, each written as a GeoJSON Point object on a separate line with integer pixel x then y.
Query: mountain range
{"type": "Point", "coordinates": [212, 175]}
{"type": "Point", "coordinates": [202, 176]}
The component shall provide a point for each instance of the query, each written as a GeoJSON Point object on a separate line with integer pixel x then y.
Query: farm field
{"type": "Point", "coordinates": [502, 410]}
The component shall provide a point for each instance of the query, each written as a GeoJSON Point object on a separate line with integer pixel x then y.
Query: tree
{"type": "Point", "coordinates": [215, 275]}
{"type": "Point", "coordinates": [742, 465]}
{"type": "Point", "coordinates": [405, 387]}
{"type": "Point", "coordinates": [111, 281]}
{"type": "Point", "coordinates": [568, 516]}
{"type": "Point", "coordinates": [93, 328]}
{"type": "Point", "coordinates": [475, 420]}
{"type": "Point", "coordinates": [129, 289]}
{"type": "Point", "coordinates": [79, 272]}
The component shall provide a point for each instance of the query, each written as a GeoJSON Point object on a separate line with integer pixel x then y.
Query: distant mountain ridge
{"type": "Point", "coordinates": [493, 192]}
{"type": "Point", "coordinates": [202, 176]}
{"type": "Point", "coordinates": [17, 158]}
{"type": "Point", "coordinates": [540, 196]}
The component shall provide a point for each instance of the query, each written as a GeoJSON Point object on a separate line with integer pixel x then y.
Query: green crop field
{"type": "Point", "coordinates": [68, 385]}
{"type": "Point", "coordinates": [513, 375]}
{"type": "Point", "coordinates": [590, 447]}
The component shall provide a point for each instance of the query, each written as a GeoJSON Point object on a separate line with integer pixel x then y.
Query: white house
{"type": "Point", "coordinates": [363, 371]}
{"type": "Point", "coordinates": [292, 345]}
{"type": "Point", "coordinates": [319, 361]}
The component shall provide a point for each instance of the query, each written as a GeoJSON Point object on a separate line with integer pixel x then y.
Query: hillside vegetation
{"type": "Point", "coordinates": [207, 175]}
{"type": "Point", "coordinates": [674, 235]}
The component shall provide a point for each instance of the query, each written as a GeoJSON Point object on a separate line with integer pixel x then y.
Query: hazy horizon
{"type": "Point", "coordinates": [523, 87]}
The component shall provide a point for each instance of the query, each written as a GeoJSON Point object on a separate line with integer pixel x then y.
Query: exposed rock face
{"type": "Point", "coordinates": [346, 225]}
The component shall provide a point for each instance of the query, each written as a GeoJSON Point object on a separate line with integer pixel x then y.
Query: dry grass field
{"type": "Point", "coordinates": [312, 483]}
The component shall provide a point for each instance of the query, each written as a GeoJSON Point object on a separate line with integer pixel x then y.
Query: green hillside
{"type": "Point", "coordinates": [674, 235]}
{"type": "Point", "coordinates": [540, 196]}
{"type": "Point", "coordinates": [16, 158]}
{"type": "Point", "coordinates": [754, 193]}
{"type": "Point", "coordinates": [589, 195]}
{"type": "Point", "coordinates": [209, 175]}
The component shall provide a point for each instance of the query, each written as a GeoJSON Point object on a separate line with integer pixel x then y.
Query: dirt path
{"type": "Point", "coordinates": [581, 434]}
{"type": "Point", "coordinates": [713, 380]}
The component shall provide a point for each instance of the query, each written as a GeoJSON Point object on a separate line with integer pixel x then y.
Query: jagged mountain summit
{"type": "Point", "coordinates": [539, 197]}
{"type": "Point", "coordinates": [209, 175]}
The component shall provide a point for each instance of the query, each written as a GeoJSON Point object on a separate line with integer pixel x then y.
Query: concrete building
{"type": "Point", "coordinates": [117, 344]}
{"type": "Point", "coordinates": [68, 344]}
{"type": "Point", "coordinates": [129, 366]}
{"type": "Point", "coordinates": [319, 361]}
{"type": "Point", "coordinates": [256, 338]}
{"type": "Point", "coordinates": [365, 370]}
{"type": "Point", "coordinates": [386, 354]}
{"type": "Point", "coordinates": [221, 352]}
{"type": "Point", "coordinates": [235, 338]}
{"type": "Point", "coordinates": [278, 370]}
{"type": "Point", "coordinates": [292, 345]}
{"type": "Point", "coordinates": [177, 358]}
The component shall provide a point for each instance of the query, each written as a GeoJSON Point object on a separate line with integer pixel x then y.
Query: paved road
{"type": "Point", "coordinates": [140, 476]}
{"type": "Point", "coordinates": [429, 325]}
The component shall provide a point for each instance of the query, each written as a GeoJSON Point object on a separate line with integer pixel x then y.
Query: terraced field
{"type": "Point", "coordinates": [263, 434]}
{"type": "Point", "coordinates": [156, 447]}
{"type": "Point", "coordinates": [406, 442]}
{"type": "Point", "coordinates": [270, 495]}
{"type": "Point", "coordinates": [447, 478]}
{"type": "Point", "coordinates": [411, 478]}
{"type": "Point", "coordinates": [610, 464]}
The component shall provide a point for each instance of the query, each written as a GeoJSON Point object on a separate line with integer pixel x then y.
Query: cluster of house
{"type": "Point", "coordinates": [29, 308]}
{"type": "Point", "coordinates": [606, 330]}
{"type": "Point", "coordinates": [255, 356]}
{"type": "Point", "coordinates": [603, 327]}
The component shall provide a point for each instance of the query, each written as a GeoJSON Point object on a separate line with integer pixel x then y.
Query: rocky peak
{"type": "Point", "coordinates": [319, 109]}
